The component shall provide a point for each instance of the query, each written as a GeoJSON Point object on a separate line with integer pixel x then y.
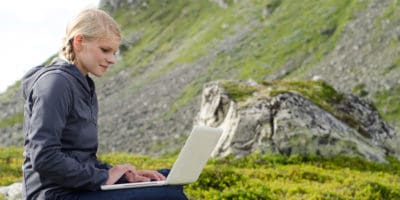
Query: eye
{"type": "Point", "coordinates": [105, 50]}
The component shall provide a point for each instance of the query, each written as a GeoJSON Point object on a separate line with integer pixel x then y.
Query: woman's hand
{"type": "Point", "coordinates": [116, 172]}
{"type": "Point", "coordinates": [131, 174]}
{"type": "Point", "coordinates": [144, 176]}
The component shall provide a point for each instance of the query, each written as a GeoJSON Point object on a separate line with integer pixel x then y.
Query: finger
{"type": "Point", "coordinates": [130, 176]}
{"type": "Point", "coordinates": [114, 174]}
{"type": "Point", "coordinates": [148, 174]}
{"type": "Point", "coordinates": [160, 176]}
{"type": "Point", "coordinates": [152, 174]}
{"type": "Point", "coordinates": [139, 178]}
{"type": "Point", "coordinates": [129, 167]}
{"type": "Point", "coordinates": [130, 172]}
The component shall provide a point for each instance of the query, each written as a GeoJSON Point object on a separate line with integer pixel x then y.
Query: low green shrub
{"type": "Point", "coordinates": [260, 176]}
{"type": "Point", "coordinates": [218, 178]}
{"type": "Point", "coordinates": [10, 165]}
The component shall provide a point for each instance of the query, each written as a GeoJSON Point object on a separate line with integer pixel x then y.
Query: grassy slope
{"type": "Point", "coordinates": [262, 176]}
{"type": "Point", "coordinates": [387, 100]}
{"type": "Point", "coordinates": [190, 30]}
{"type": "Point", "coordinates": [4, 97]}
{"type": "Point", "coordinates": [295, 34]}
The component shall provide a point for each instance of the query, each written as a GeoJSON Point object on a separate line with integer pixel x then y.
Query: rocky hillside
{"type": "Point", "coordinates": [171, 48]}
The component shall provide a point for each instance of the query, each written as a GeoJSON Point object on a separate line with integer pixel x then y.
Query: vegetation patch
{"type": "Point", "coordinates": [10, 165]}
{"type": "Point", "coordinates": [12, 120]}
{"type": "Point", "coordinates": [294, 31]}
{"type": "Point", "coordinates": [7, 95]}
{"type": "Point", "coordinates": [386, 101]}
{"type": "Point", "coordinates": [165, 29]}
{"type": "Point", "coordinates": [319, 92]}
{"type": "Point", "coordinates": [238, 91]}
{"type": "Point", "coordinates": [186, 96]}
{"type": "Point", "coordinates": [359, 89]}
{"type": "Point", "coordinates": [245, 40]}
{"type": "Point", "coordinates": [261, 176]}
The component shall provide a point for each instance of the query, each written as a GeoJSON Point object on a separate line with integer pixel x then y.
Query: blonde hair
{"type": "Point", "coordinates": [92, 24]}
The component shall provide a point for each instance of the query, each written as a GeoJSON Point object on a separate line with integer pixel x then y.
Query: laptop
{"type": "Point", "coordinates": [190, 162]}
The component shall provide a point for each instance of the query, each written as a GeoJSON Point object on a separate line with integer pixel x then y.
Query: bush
{"type": "Point", "coordinates": [10, 165]}
{"type": "Point", "coordinates": [218, 178]}
{"type": "Point", "coordinates": [260, 176]}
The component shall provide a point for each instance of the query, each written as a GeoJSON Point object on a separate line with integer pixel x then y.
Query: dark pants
{"type": "Point", "coordinates": [148, 193]}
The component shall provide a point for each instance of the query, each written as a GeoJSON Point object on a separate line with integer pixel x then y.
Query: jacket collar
{"type": "Point", "coordinates": [62, 64]}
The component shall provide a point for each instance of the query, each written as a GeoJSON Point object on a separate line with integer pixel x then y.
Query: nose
{"type": "Point", "coordinates": [110, 59]}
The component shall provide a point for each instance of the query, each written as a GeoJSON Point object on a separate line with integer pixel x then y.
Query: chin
{"type": "Point", "coordinates": [100, 74]}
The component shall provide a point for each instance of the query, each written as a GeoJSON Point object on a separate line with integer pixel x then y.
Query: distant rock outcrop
{"type": "Point", "coordinates": [273, 117]}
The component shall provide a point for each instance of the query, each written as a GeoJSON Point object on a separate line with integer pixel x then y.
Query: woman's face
{"type": "Point", "coordinates": [95, 56]}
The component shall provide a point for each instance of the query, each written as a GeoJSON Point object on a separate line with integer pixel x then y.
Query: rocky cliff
{"type": "Point", "coordinates": [170, 49]}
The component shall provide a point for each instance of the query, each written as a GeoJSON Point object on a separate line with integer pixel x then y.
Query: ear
{"type": "Point", "coordinates": [78, 42]}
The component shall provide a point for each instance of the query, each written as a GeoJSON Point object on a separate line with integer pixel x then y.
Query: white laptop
{"type": "Point", "coordinates": [190, 162]}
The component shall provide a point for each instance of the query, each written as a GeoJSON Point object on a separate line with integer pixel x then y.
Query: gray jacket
{"type": "Point", "coordinates": [60, 127]}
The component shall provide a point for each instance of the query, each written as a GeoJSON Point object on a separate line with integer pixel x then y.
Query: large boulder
{"type": "Point", "coordinates": [303, 117]}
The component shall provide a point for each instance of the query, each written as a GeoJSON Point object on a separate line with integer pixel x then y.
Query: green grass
{"type": "Point", "coordinates": [7, 95]}
{"type": "Point", "coordinates": [239, 91]}
{"type": "Point", "coordinates": [237, 42]}
{"type": "Point", "coordinates": [12, 120]}
{"type": "Point", "coordinates": [300, 33]}
{"type": "Point", "coordinates": [295, 34]}
{"type": "Point", "coordinates": [10, 165]}
{"type": "Point", "coordinates": [387, 99]}
{"type": "Point", "coordinates": [262, 176]}
{"type": "Point", "coordinates": [387, 102]}
{"type": "Point", "coordinates": [163, 26]}
{"type": "Point", "coordinates": [185, 97]}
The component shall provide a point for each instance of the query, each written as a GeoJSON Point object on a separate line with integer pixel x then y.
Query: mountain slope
{"type": "Point", "coordinates": [172, 47]}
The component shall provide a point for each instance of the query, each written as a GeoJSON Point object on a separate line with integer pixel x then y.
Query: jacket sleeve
{"type": "Point", "coordinates": [52, 100]}
{"type": "Point", "coordinates": [102, 165]}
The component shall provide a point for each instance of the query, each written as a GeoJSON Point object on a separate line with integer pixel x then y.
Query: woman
{"type": "Point", "coordinates": [60, 121]}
